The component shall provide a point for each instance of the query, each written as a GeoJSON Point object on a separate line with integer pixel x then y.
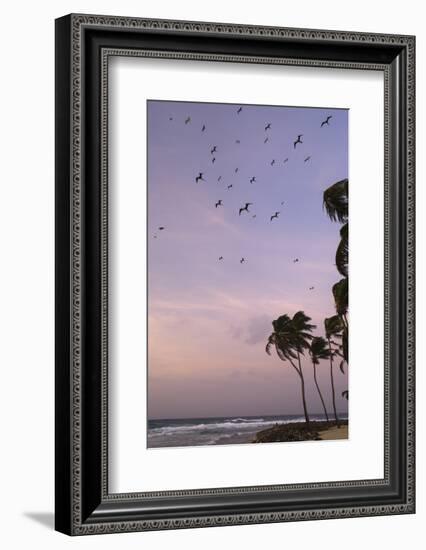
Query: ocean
{"type": "Point", "coordinates": [224, 430]}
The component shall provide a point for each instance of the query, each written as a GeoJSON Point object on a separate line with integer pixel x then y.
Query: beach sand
{"type": "Point", "coordinates": [298, 431]}
{"type": "Point", "coordinates": [335, 433]}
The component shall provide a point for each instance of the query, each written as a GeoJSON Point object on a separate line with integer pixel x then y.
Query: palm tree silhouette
{"type": "Point", "coordinates": [318, 350]}
{"type": "Point", "coordinates": [333, 328]}
{"type": "Point", "coordinates": [336, 204]}
{"type": "Point", "coordinates": [340, 294]}
{"type": "Point", "coordinates": [335, 201]}
{"type": "Point", "coordinates": [290, 338]}
{"type": "Point", "coordinates": [342, 252]}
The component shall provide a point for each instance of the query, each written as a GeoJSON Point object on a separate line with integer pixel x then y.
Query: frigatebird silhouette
{"type": "Point", "coordinates": [199, 177]}
{"type": "Point", "coordinates": [188, 120]}
{"type": "Point", "coordinates": [219, 203]}
{"type": "Point", "coordinates": [245, 208]}
{"type": "Point", "coordinates": [326, 121]}
{"type": "Point", "coordinates": [275, 215]}
{"type": "Point", "coordinates": [298, 140]}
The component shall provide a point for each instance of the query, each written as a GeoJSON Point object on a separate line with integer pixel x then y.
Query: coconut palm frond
{"type": "Point", "coordinates": [340, 293]}
{"type": "Point", "coordinates": [335, 201]}
{"type": "Point", "coordinates": [342, 252]}
{"type": "Point", "coordinates": [270, 343]}
{"type": "Point", "coordinates": [319, 350]}
{"type": "Point", "coordinates": [302, 326]}
{"type": "Point", "coordinates": [333, 327]}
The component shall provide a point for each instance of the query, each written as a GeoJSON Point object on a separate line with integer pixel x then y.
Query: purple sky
{"type": "Point", "coordinates": [209, 319]}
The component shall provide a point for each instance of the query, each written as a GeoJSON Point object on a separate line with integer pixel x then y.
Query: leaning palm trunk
{"type": "Point", "coordinates": [332, 385]}
{"type": "Point", "coordinates": [319, 392]}
{"type": "Point", "coordinates": [302, 383]}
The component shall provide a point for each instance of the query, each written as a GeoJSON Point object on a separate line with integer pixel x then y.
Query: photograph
{"type": "Point", "coordinates": [248, 279]}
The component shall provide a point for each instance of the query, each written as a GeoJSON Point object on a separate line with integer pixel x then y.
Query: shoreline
{"type": "Point", "coordinates": [298, 431]}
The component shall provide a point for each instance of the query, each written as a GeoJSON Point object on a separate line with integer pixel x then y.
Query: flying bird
{"type": "Point", "coordinates": [242, 260]}
{"type": "Point", "coordinates": [219, 178]}
{"type": "Point", "coordinates": [188, 120]}
{"type": "Point", "coordinates": [155, 236]}
{"type": "Point", "coordinates": [253, 179]}
{"type": "Point", "coordinates": [254, 215]}
{"type": "Point", "coordinates": [237, 141]}
{"type": "Point", "coordinates": [268, 126]}
{"type": "Point", "coordinates": [282, 202]}
{"type": "Point", "coordinates": [275, 215]}
{"type": "Point", "coordinates": [219, 203]}
{"type": "Point", "coordinates": [170, 118]}
{"type": "Point", "coordinates": [295, 260]}
{"type": "Point", "coordinates": [311, 288]}
{"type": "Point", "coordinates": [306, 159]}
{"type": "Point", "coordinates": [229, 186]}
{"type": "Point", "coordinates": [199, 177]}
{"type": "Point", "coordinates": [220, 257]}
{"type": "Point", "coordinates": [326, 121]}
{"type": "Point", "coordinates": [213, 150]}
{"type": "Point", "coordinates": [245, 208]}
{"type": "Point", "coordinates": [236, 170]}
{"type": "Point", "coordinates": [239, 110]}
{"type": "Point", "coordinates": [203, 128]}
{"type": "Point", "coordinates": [272, 162]}
{"type": "Point", "coordinates": [213, 160]}
{"type": "Point", "coordinates": [285, 160]}
{"type": "Point", "coordinates": [161, 228]}
{"type": "Point", "coordinates": [266, 140]}
{"type": "Point", "coordinates": [298, 140]}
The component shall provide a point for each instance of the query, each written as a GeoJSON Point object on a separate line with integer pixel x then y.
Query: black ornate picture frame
{"type": "Point", "coordinates": [84, 43]}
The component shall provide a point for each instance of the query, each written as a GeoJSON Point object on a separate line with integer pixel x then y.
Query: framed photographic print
{"type": "Point", "coordinates": [213, 364]}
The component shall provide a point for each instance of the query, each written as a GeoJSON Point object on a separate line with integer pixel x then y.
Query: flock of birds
{"type": "Point", "coordinates": [245, 208]}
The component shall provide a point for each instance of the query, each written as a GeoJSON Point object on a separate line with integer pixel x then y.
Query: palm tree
{"type": "Point", "coordinates": [290, 338]}
{"type": "Point", "coordinates": [333, 327]}
{"type": "Point", "coordinates": [336, 204]}
{"type": "Point", "coordinates": [335, 201]}
{"type": "Point", "coordinates": [342, 252]}
{"type": "Point", "coordinates": [318, 350]}
{"type": "Point", "coordinates": [340, 293]}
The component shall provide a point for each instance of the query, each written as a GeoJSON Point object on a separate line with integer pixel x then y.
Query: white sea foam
{"type": "Point", "coordinates": [171, 433]}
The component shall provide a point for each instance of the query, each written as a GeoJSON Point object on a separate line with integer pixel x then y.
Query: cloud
{"type": "Point", "coordinates": [258, 329]}
{"type": "Point", "coordinates": [254, 331]}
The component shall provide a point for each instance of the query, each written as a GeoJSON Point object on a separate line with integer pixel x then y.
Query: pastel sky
{"type": "Point", "coordinates": [209, 319]}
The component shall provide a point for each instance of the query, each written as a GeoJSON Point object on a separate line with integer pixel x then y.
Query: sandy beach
{"type": "Point", "coordinates": [334, 433]}
{"type": "Point", "coordinates": [299, 431]}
